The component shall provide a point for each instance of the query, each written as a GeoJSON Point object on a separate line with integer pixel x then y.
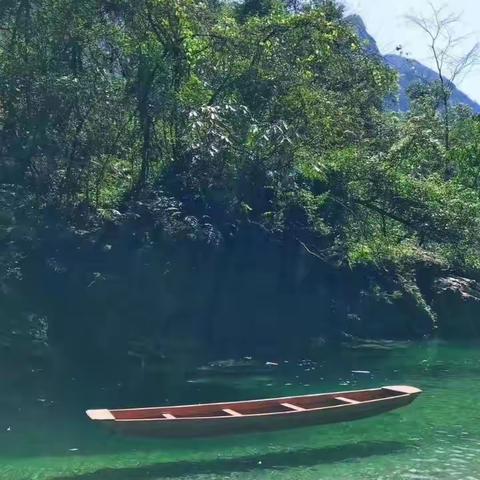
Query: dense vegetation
{"type": "Point", "coordinates": [208, 149]}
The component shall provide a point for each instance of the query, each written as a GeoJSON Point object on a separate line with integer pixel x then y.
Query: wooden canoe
{"type": "Point", "coordinates": [254, 415]}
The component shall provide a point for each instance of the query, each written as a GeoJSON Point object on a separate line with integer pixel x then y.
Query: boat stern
{"type": "Point", "coordinates": [102, 415]}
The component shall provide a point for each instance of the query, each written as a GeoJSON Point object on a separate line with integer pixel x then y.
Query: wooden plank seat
{"type": "Point", "coordinates": [293, 407]}
{"type": "Point", "coordinates": [231, 412]}
{"type": "Point", "coordinates": [346, 400]}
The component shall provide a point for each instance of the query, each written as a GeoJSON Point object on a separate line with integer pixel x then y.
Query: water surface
{"type": "Point", "coordinates": [45, 435]}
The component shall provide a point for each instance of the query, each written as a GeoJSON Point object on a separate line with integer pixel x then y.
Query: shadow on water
{"type": "Point", "coordinates": [270, 461]}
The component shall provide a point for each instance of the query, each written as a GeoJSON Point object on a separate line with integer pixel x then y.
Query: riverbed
{"type": "Point", "coordinates": [44, 434]}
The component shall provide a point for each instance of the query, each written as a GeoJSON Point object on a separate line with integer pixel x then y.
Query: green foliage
{"type": "Point", "coordinates": [211, 118]}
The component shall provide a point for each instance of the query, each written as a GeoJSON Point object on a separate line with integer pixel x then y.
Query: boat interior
{"type": "Point", "coordinates": [239, 409]}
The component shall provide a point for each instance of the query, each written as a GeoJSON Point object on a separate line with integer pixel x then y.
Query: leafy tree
{"type": "Point", "coordinates": [172, 121]}
{"type": "Point", "coordinates": [444, 46]}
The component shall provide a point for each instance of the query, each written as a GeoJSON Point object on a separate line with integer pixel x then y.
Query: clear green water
{"type": "Point", "coordinates": [44, 435]}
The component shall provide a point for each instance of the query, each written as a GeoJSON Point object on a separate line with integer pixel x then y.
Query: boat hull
{"type": "Point", "coordinates": [260, 422]}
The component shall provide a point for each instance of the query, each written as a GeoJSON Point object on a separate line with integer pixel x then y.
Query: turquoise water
{"type": "Point", "coordinates": [45, 435]}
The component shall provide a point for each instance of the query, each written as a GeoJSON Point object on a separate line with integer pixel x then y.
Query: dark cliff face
{"type": "Point", "coordinates": [250, 297]}
{"type": "Point", "coordinates": [410, 71]}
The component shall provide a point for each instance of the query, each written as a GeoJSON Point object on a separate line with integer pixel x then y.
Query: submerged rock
{"type": "Point", "coordinates": [231, 365]}
{"type": "Point", "coordinates": [370, 344]}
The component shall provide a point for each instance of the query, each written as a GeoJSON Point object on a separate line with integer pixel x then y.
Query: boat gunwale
{"type": "Point", "coordinates": [262, 414]}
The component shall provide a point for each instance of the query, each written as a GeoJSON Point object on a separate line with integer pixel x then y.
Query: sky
{"type": "Point", "coordinates": [385, 21]}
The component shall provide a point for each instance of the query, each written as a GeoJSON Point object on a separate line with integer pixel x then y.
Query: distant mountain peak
{"type": "Point", "coordinates": [370, 44]}
{"type": "Point", "coordinates": [410, 70]}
